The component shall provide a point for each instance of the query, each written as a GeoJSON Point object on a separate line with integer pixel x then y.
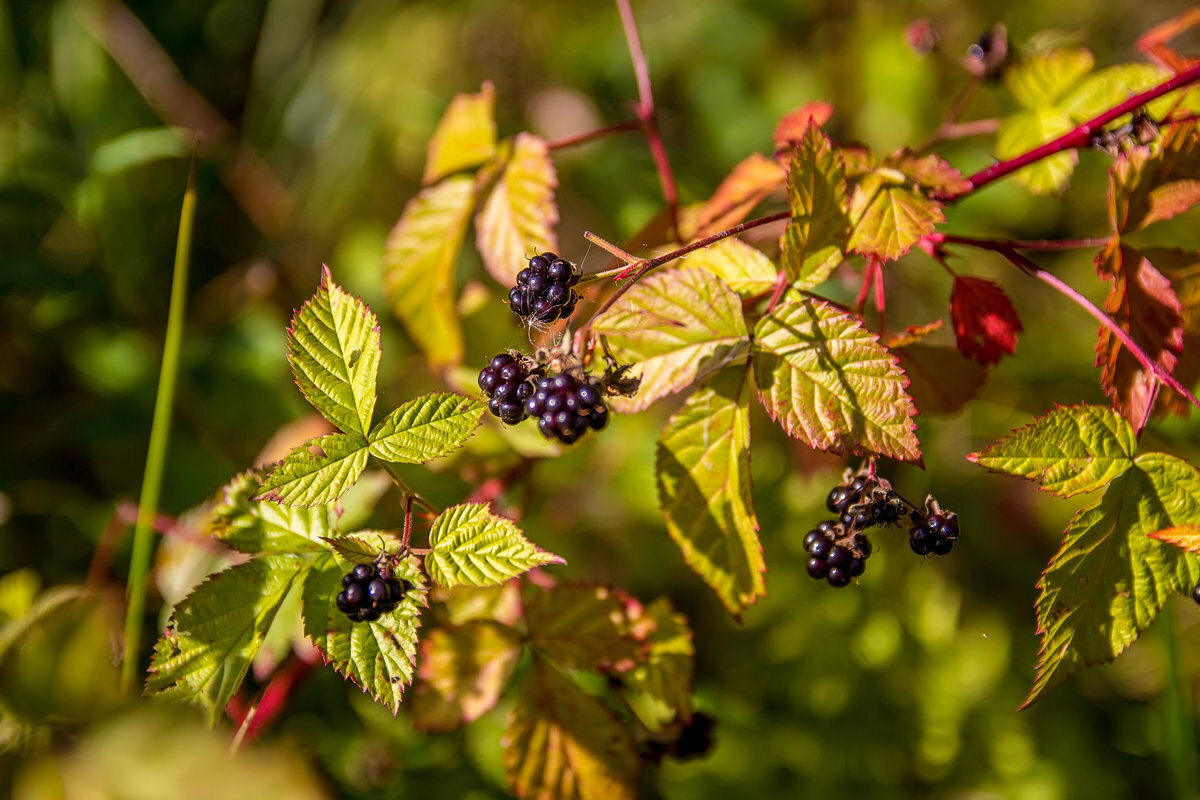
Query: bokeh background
{"type": "Point", "coordinates": [313, 117]}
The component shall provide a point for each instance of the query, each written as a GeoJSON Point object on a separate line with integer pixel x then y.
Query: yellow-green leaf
{"type": "Point", "coordinates": [471, 546]}
{"type": "Point", "coordinates": [317, 472]}
{"type": "Point", "coordinates": [463, 671]}
{"type": "Point", "coordinates": [816, 237]}
{"type": "Point", "coordinates": [465, 135]}
{"type": "Point", "coordinates": [666, 674]}
{"type": "Point", "coordinates": [889, 216]}
{"type": "Point", "coordinates": [518, 218]}
{"type": "Point", "coordinates": [1026, 130]}
{"type": "Point", "coordinates": [428, 427]}
{"type": "Point", "coordinates": [581, 627]}
{"type": "Point", "coordinates": [741, 267]}
{"type": "Point", "coordinates": [1042, 78]}
{"type": "Point", "coordinates": [260, 526]}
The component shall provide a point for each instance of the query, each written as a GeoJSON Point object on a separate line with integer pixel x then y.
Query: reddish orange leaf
{"type": "Point", "coordinates": [1185, 536]}
{"type": "Point", "coordinates": [1154, 41]}
{"type": "Point", "coordinates": [1182, 269]}
{"type": "Point", "coordinates": [744, 188]}
{"type": "Point", "coordinates": [985, 321]}
{"type": "Point", "coordinates": [1146, 187]}
{"type": "Point", "coordinates": [793, 125]}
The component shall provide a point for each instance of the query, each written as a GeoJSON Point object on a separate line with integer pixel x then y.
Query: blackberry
{"type": "Point", "coordinates": [507, 382]}
{"type": "Point", "coordinates": [846, 495]}
{"type": "Point", "coordinates": [544, 290]}
{"type": "Point", "coordinates": [696, 737]}
{"type": "Point", "coordinates": [835, 556]}
{"type": "Point", "coordinates": [566, 408]}
{"type": "Point", "coordinates": [369, 591]}
{"type": "Point", "coordinates": [1196, 593]}
{"type": "Point", "coordinates": [933, 533]}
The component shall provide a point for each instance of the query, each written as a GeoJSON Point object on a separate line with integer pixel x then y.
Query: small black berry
{"type": "Point", "coordinates": [363, 572]}
{"type": "Point", "coordinates": [838, 556]}
{"type": "Point", "coordinates": [838, 577]}
{"type": "Point", "coordinates": [817, 567]}
{"type": "Point", "coordinates": [821, 548]}
{"type": "Point", "coordinates": [1196, 593]}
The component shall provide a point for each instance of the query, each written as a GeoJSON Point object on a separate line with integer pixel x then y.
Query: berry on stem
{"type": "Point", "coordinates": [544, 290]}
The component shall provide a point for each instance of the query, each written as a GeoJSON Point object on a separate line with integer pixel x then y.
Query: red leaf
{"type": "Point", "coordinates": [793, 125]}
{"type": "Point", "coordinates": [985, 321]}
{"type": "Point", "coordinates": [1143, 303]}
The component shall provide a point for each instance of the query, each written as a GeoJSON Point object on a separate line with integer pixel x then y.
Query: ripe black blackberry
{"type": "Point", "coordinates": [369, 591]}
{"type": "Point", "coordinates": [1196, 593]}
{"type": "Point", "coordinates": [543, 292]}
{"type": "Point", "coordinates": [508, 384]}
{"type": "Point", "coordinates": [566, 408]}
{"type": "Point", "coordinates": [834, 556]}
{"type": "Point", "coordinates": [933, 533]}
{"type": "Point", "coordinates": [846, 495]}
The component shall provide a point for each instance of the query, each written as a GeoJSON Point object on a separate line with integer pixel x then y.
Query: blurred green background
{"type": "Point", "coordinates": [314, 118]}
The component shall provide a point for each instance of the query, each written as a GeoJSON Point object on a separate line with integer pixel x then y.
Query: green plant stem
{"type": "Point", "coordinates": [403, 487]}
{"type": "Point", "coordinates": [1178, 732]}
{"type": "Point", "coordinates": [160, 431]}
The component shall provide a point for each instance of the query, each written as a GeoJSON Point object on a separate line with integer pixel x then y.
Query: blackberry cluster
{"type": "Point", "coordinates": [835, 556]}
{"type": "Point", "coordinates": [933, 533]}
{"type": "Point", "coordinates": [543, 292]}
{"type": "Point", "coordinates": [507, 384]}
{"type": "Point", "coordinates": [864, 503]}
{"type": "Point", "coordinates": [369, 591]}
{"type": "Point", "coordinates": [566, 408]}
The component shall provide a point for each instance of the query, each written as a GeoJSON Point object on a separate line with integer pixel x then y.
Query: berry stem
{"type": "Point", "coordinates": [597, 133]}
{"type": "Point", "coordinates": [404, 490]}
{"type": "Point", "coordinates": [407, 535]}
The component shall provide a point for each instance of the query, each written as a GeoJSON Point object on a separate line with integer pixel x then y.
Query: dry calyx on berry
{"type": "Point", "coordinates": [371, 590]}
{"type": "Point", "coordinates": [544, 291]}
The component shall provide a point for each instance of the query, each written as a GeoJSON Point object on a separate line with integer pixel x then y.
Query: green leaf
{"type": "Point", "coordinates": [354, 549]}
{"type": "Point", "coordinates": [816, 236]}
{"type": "Point", "coordinates": [1069, 450]}
{"type": "Point", "coordinates": [216, 631]}
{"type": "Point", "coordinates": [581, 627]}
{"type": "Point", "coordinates": [378, 656]}
{"type": "Point", "coordinates": [426, 428]}
{"type": "Point", "coordinates": [471, 546]}
{"type": "Point", "coordinates": [418, 264]}
{"type": "Point", "coordinates": [465, 135]}
{"type": "Point", "coordinates": [333, 347]}
{"type": "Point", "coordinates": [1026, 130]}
{"type": "Point", "coordinates": [889, 216]}
{"type": "Point", "coordinates": [1110, 87]}
{"type": "Point", "coordinates": [463, 671]}
{"type": "Point", "coordinates": [741, 267]}
{"type": "Point", "coordinates": [666, 675]}
{"type": "Point", "coordinates": [518, 218]}
{"type": "Point", "coordinates": [259, 526]}
{"type": "Point", "coordinates": [1110, 578]}
{"type": "Point", "coordinates": [317, 472]}
{"type": "Point", "coordinates": [679, 327]}
{"type": "Point", "coordinates": [563, 743]}
{"type": "Point", "coordinates": [1041, 79]}
{"type": "Point", "coordinates": [829, 382]}
{"type": "Point", "coordinates": [703, 470]}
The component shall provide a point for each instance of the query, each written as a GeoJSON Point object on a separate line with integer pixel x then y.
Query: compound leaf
{"type": "Point", "coordinates": [795, 125]}
{"type": "Point", "coordinates": [471, 546]}
{"type": "Point", "coordinates": [829, 382]}
{"type": "Point", "coordinates": [889, 215]}
{"type": "Point", "coordinates": [563, 743]}
{"type": "Point", "coordinates": [581, 627]}
{"type": "Point", "coordinates": [703, 471]}
{"type": "Point", "coordinates": [1182, 269]}
{"type": "Point", "coordinates": [465, 135]}
{"type": "Point", "coordinates": [985, 323]}
{"type": "Point", "coordinates": [216, 631]}
{"type": "Point", "coordinates": [418, 266]}
{"type": "Point", "coordinates": [817, 233]}
{"type": "Point", "coordinates": [426, 428]}
{"type": "Point", "coordinates": [1110, 578]}
{"type": "Point", "coordinates": [377, 656]}
{"type": "Point", "coordinates": [463, 671]}
{"type": "Point", "coordinates": [333, 348]}
{"type": "Point", "coordinates": [1069, 450]}
{"type": "Point", "coordinates": [317, 472]}
{"type": "Point", "coordinates": [741, 267]}
{"type": "Point", "coordinates": [679, 327]}
{"type": "Point", "coordinates": [258, 526]}
{"type": "Point", "coordinates": [518, 218]}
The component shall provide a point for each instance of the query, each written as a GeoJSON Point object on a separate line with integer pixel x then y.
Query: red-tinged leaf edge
{"type": "Point", "coordinates": [1185, 536]}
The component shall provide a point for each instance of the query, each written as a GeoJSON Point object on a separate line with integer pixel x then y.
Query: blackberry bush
{"type": "Point", "coordinates": [544, 290]}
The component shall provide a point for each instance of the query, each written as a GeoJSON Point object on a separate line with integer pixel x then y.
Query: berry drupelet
{"type": "Point", "coordinates": [369, 591]}
{"type": "Point", "coordinates": [507, 383]}
{"type": "Point", "coordinates": [566, 408]}
{"type": "Point", "coordinates": [544, 290]}
{"type": "Point", "coordinates": [933, 533]}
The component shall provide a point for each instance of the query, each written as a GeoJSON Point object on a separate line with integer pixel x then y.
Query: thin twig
{"type": "Point", "coordinates": [408, 504]}
{"type": "Point", "coordinates": [1019, 244]}
{"type": "Point", "coordinates": [587, 136]}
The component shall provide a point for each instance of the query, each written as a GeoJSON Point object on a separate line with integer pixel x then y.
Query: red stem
{"type": "Point", "coordinates": [587, 136]}
{"type": "Point", "coordinates": [1081, 136]}
{"type": "Point", "coordinates": [408, 504]}
{"type": "Point", "coordinates": [999, 245]}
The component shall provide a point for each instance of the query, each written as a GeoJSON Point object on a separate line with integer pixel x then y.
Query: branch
{"type": "Point", "coordinates": [587, 136]}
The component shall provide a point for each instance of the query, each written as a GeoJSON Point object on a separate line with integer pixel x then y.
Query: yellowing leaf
{"type": "Point", "coordinates": [1026, 130]}
{"type": "Point", "coordinates": [429, 427]}
{"type": "Point", "coordinates": [1112, 86]}
{"type": "Point", "coordinates": [465, 135]}
{"type": "Point", "coordinates": [828, 382]}
{"type": "Point", "coordinates": [317, 472]}
{"type": "Point", "coordinates": [518, 218]}
{"type": "Point", "coordinates": [470, 545]}
{"type": "Point", "coordinates": [1042, 78]}
{"type": "Point", "coordinates": [666, 674]}
{"type": "Point", "coordinates": [889, 216]}
{"type": "Point", "coordinates": [678, 327]}
{"type": "Point", "coordinates": [703, 469]}
{"type": "Point", "coordinates": [418, 263]}
{"type": "Point", "coordinates": [741, 267]}
{"type": "Point", "coordinates": [463, 671]}
{"type": "Point", "coordinates": [817, 233]}
{"type": "Point", "coordinates": [581, 627]}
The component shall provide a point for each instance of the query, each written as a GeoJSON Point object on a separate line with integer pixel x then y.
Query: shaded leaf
{"type": "Point", "coordinates": [702, 466]}
{"type": "Point", "coordinates": [985, 323]}
{"type": "Point", "coordinates": [471, 546]}
{"type": "Point", "coordinates": [465, 135]}
{"type": "Point", "coordinates": [1109, 579]}
{"type": "Point", "coordinates": [747, 185]}
{"type": "Point", "coordinates": [563, 744]}
{"type": "Point", "coordinates": [794, 125]}
{"type": "Point", "coordinates": [259, 526]}
{"type": "Point", "coordinates": [418, 264]}
{"type": "Point", "coordinates": [354, 549]}
{"type": "Point", "coordinates": [942, 380]}
{"type": "Point", "coordinates": [495, 603]}
{"type": "Point", "coordinates": [463, 671]}
{"type": "Point", "coordinates": [317, 472]}
{"type": "Point", "coordinates": [518, 218]}
{"type": "Point", "coordinates": [431, 426]}
{"type": "Point", "coordinates": [889, 216]}
{"type": "Point", "coordinates": [1068, 450]}
{"type": "Point", "coordinates": [666, 674]}
{"type": "Point", "coordinates": [828, 382]}
{"type": "Point", "coordinates": [815, 238]}
{"type": "Point", "coordinates": [678, 327]}
{"type": "Point", "coordinates": [377, 656]}
{"type": "Point", "coordinates": [931, 172]}
{"type": "Point", "coordinates": [581, 627]}
{"type": "Point", "coordinates": [1148, 186]}
{"type": "Point", "coordinates": [1182, 269]}
{"type": "Point", "coordinates": [333, 348]}
{"type": "Point", "coordinates": [1143, 303]}
{"type": "Point", "coordinates": [741, 267]}
{"type": "Point", "coordinates": [1042, 78]}
{"type": "Point", "coordinates": [1026, 130]}
{"type": "Point", "coordinates": [216, 631]}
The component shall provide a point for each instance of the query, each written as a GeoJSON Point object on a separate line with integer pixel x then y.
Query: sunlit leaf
{"type": "Point", "coordinates": [471, 546]}
{"type": "Point", "coordinates": [333, 347]}
{"type": "Point", "coordinates": [741, 267]}
{"type": "Point", "coordinates": [1112, 86]}
{"type": "Point", "coordinates": [985, 323]}
{"type": "Point", "coordinates": [462, 672]}
{"type": "Point", "coordinates": [817, 233]}
{"type": "Point", "coordinates": [581, 627]}
{"type": "Point", "coordinates": [465, 135]}
{"type": "Point", "coordinates": [1068, 450]}
{"type": "Point", "coordinates": [418, 264]}
{"type": "Point", "coordinates": [794, 125]}
{"type": "Point", "coordinates": [743, 188]}
{"type": "Point", "coordinates": [829, 382]}
{"type": "Point", "coordinates": [1040, 79]}
{"type": "Point", "coordinates": [216, 631]}
{"type": "Point", "coordinates": [260, 526]}
{"type": "Point", "coordinates": [889, 216]}
{"type": "Point", "coordinates": [678, 327]}
{"type": "Point", "coordinates": [355, 549]}
{"type": "Point", "coordinates": [492, 603]}
{"type": "Point", "coordinates": [1109, 579]}
{"type": "Point", "coordinates": [1182, 269]}
{"type": "Point", "coordinates": [703, 471]}
{"type": "Point", "coordinates": [426, 428]}
{"type": "Point", "coordinates": [317, 472]}
{"type": "Point", "coordinates": [930, 171]}
{"type": "Point", "coordinates": [1026, 130]}
{"type": "Point", "coordinates": [1149, 186]}
{"type": "Point", "coordinates": [517, 220]}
